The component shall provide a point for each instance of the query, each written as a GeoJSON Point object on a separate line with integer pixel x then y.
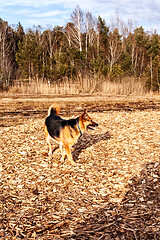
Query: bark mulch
{"type": "Point", "coordinates": [112, 193]}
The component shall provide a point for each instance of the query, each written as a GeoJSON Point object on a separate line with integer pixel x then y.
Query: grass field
{"type": "Point", "coordinates": [112, 192]}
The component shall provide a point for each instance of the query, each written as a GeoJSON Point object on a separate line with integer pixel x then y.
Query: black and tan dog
{"type": "Point", "coordinates": [65, 132]}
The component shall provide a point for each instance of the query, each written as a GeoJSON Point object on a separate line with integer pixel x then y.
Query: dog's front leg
{"type": "Point", "coordinates": [69, 155]}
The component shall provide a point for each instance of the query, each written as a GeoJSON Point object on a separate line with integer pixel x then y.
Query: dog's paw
{"type": "Point", "coordinates": [62, 160]}
{"type": "Point", "coordinates": [73, 163]}
{"type": "Point", "coordinates": [50, 154]}
{"type": "Point", "coordinates": [45, 154]}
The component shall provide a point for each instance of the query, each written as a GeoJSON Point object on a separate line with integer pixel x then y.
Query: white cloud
{"type": "Point", "coordinates": [145, 13]}
{"type": "Point", "coordinates": [48, 14]}
{"type": "Point", "coordinates": [39, 3]}
{"type": "Point", "coordinates": [39, 14]}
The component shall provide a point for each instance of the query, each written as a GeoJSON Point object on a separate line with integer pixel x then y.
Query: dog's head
{"type": "Point", "coordinates": [87, 121]}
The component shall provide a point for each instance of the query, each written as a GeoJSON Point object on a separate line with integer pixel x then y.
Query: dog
{"type": "Point", "coordinates": [65, 132]}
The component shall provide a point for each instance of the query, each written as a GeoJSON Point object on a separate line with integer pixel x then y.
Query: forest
{"type": "Point", "coordinates": [85, 47]}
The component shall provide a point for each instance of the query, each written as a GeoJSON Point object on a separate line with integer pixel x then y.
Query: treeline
{"type": "Point", "coordinates": [85, 46]}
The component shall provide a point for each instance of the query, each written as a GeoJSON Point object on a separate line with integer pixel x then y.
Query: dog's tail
{"type": "Point", "coordinates": [54, 109]}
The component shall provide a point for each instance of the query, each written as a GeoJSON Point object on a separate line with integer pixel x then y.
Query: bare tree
{"type": "Point", "coordinates": [49, 41]}
{"type": "Point", "coordinates": [76, 31]}
{"type": "Point", "coordinates": [91, 24]}
{"type": "Point", "coordinates": [115, 47]}
{"type": "Point", "coordinates": [69, 32]}
{"type": "Point", "coordinates": [7, 50]}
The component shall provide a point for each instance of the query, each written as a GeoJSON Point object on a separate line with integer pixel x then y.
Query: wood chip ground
{"type": "Point", "coordinates": [112, 193]}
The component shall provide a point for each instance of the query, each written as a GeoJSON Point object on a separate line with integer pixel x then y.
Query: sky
{"type": "Point", "coordinates": [145, 13]}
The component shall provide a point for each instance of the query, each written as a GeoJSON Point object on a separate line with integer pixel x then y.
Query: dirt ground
{"type": "Point", "coordinates": [111, 193]}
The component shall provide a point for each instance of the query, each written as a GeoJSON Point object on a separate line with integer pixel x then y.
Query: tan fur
{"type": "Point", "coordinates": [54, 106]}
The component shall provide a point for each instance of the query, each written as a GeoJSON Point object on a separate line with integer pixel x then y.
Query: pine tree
{"type": "Point", "coordinates": [28, 56]}
{"type": "Point", "coordinates": [153, 82]}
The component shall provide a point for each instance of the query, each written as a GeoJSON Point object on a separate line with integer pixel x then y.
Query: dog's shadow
{"type": "Point", "coordinates": [86, 141]}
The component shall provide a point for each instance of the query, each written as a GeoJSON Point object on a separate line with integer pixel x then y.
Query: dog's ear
{"type": "Point", "coordinates": [84, 115]}
{"type": "Point", "coordinates": [85, 111]}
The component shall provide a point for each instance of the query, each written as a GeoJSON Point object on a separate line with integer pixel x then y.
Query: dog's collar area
{"type": "Point", "coordinates": [79, 128]}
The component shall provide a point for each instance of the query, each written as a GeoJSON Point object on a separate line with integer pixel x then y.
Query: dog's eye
{"type": "Point", "coordinates": [88, 118]}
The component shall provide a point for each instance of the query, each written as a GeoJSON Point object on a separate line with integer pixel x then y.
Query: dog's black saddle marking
{"type": "Point", "coordinates": [55, 124]}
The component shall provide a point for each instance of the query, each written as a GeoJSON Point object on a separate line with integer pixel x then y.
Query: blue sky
{"type": "Point", "coordinates": [47, 13]}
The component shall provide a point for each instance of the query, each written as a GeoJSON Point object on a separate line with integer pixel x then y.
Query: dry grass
{"type": "Point", "coordinates": [127, 86]}
{"type": "Point", "coordinates": [86, 85]}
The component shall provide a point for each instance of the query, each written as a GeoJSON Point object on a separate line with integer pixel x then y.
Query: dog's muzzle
{"type": "Point", "coordinates": [92, 125]}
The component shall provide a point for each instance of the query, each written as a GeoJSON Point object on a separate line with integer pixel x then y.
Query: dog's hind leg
{"type": "Point", "coordinates": [50, 147]}
{"type": "Point", "coordinates": [49, 144]}
{"type": "Point", "coordinates": [48, 138]}
{"type": "Point", "coordinates": [62, 152]}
